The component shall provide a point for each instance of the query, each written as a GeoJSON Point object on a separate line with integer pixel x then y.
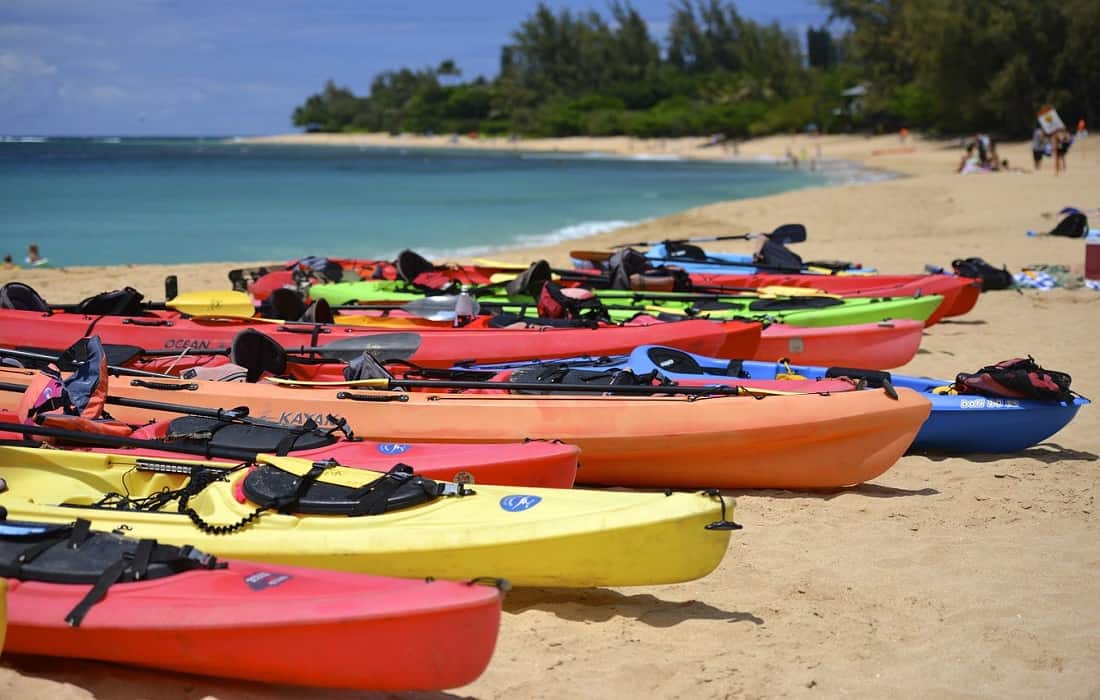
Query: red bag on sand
{"type": "Point", "coordinates": [1017, 378]}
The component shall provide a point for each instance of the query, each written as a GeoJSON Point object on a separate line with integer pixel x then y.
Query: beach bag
{"type": "Point", "coordinates": [991, 277]}
{"type": "Point", "coordinates": [1076, 225]}
{"type": "Point", "coordinates": [1017, 378]}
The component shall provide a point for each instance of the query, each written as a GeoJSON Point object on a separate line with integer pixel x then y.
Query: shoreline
{"type": "Point", "coordinates": [948, 576]}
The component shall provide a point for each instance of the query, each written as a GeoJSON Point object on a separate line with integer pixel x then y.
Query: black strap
{"type": "Point", "coordinates": [372, 498]}
{"type": "Point", "coordinates": [108, 578]}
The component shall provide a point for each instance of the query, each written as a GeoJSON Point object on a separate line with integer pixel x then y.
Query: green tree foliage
{"type": "Point", "coordinates": [949, 65]}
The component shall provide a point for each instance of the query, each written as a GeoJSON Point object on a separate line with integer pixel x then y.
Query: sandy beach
{"type": "Point", "coordinates": [949, 577]}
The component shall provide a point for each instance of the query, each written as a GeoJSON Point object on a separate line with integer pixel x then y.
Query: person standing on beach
{"type": "Point", "coordinates": [1060, 141]}
{"type": "Point", "coordinates": [8, 264]}
{"type": "Point", "coordinates": [1038, 146]}
{"type": "Point", "coordinates": [33, 258]}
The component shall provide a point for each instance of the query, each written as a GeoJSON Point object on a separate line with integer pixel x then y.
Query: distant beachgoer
{"type": "Point", "coordinates": [1082, 131]}
{"type": "Point", "coordinates": [33, 258]}
{"type": "Point", "coordinates": [8, 264]}
{"type": "Point", "coordinates": [971, 162]}
{"type": "Point", "coordinates": [903, 134]}
{"type": "Point", "coordinates": [1060, 140]}
{"type": "Point", "coordinates": [1038, 146]}
{"type": "Point", "coordinates": [792, 158]}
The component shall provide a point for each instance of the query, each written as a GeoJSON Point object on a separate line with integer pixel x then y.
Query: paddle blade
{"type": "Point", "coordinates": [437, 308]}
{"type": "Point", "coordinates": [216, 303]}
{"type": "Point", "coordinates": [382, 346]}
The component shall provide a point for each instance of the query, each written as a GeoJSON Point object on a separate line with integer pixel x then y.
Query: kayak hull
{"type": "Point", "coordinates": [957, 423]}
{"type": "Point", "coordinates": [432, 345]}
{"type": "Point", "coordinates": [529, 536]}
{"type": "Point", "coordinates": [253, 621]}
{"type": "Point", "coordinates": [651, 441]}
{"type": "Point", "coordinates": [882, 345]}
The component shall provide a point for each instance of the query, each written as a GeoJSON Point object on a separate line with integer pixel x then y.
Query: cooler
{"type": "Point", "coordinates": [1092, 255]}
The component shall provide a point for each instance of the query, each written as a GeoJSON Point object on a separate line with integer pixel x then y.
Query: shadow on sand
{"type": "Point", "coordinates": [108, 680]}
{"type": "Point", "coordinates": [865, 489]}
{"type": "Point", "coordinates": [603, 604]}
{"type": "Point", "coordinates": [1046, 452]}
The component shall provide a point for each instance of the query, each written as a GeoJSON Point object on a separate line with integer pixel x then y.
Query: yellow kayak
{"type": "Point", "coordinates": [530, 536]}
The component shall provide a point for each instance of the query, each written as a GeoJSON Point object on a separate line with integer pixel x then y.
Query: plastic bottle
{"type": "Point", "coordinates": [464, 307]}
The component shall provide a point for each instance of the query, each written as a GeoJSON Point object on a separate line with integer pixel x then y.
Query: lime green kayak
{"type": "Point", "coordinates": [622, 305]}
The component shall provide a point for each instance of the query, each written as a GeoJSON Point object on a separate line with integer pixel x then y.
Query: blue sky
{"type": "Point", "coordinates": [195, 67]}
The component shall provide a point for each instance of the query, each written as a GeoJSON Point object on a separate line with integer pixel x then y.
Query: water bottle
{"type": "Point", "coordinates": [464, 307]}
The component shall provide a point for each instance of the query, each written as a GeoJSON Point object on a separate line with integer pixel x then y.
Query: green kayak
{"type": "Point", "coordinates": [622, 305]}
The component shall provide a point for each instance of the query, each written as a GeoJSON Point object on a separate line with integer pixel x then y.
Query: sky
{"type": "Point", "coordinates": [224, 68]}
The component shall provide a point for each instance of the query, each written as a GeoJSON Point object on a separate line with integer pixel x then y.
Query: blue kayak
{"type": "Point", "coordinates": [733, 263]}
{"type": "Point", "coordinates": [957, 423]}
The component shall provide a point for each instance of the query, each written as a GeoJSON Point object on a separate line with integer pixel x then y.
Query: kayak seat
{"type": "Point", "coordinates": [120, 302]}
{"type": "Point", "coordinates": [873, 378]}
{"type": "Point", "coordinates": [411, 265]}
{"type": "Point", "coordinates": [398, 488]}
{"type": "Point", "coordinates": [283, 304]}
{"type": "Point", "coordinates": [21, 297]}
{"type": "Point", "coordinates": [73, 554]}
{"type": "Point", "coordinates": [257, 353]}
{"type": "Point", "coordinates": [201, 431]}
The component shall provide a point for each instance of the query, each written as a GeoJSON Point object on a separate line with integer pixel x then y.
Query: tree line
{"type": "Point", "coordinates": [945, 66]}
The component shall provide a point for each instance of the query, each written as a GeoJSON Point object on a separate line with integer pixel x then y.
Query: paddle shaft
{"type": "Point", "coordinates": [23, 354]}
{"type": "Point", "coordinates": [786, 233]}
{"type": "Point", "coordinates": [629, 389]}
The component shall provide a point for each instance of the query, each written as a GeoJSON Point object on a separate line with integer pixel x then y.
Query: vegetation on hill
{"type": "Point", "coordinates": [938, 65]}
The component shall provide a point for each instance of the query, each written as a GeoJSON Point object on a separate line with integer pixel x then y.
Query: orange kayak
{"type": "Point", "coordinates": [798, 442]}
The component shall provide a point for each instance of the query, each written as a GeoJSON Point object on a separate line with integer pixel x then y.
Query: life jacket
{"type": "Point", "coordinates": [1017, 378]}
{"type": "Point", "coordinates": [77, 403]}
{"type": "Point", "coordinates": [573, 303]}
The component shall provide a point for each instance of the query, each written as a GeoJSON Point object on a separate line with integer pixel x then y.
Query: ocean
{"type": "Point", "coordinates": [106, 201]}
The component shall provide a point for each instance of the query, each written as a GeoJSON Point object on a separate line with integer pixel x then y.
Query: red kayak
{"type": "Point", "coordinates": [430, 345]}
{"type": "Point", "coordinates": [531, 463]}
{"type": "Point", "coordinates": [273, 624]}
{"type": "Point", "coordinates": [960, 293]}
{"type": "Point", "coordinates": [883, 345]}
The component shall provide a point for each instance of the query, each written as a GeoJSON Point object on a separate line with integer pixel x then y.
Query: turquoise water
{"type": "Point", "coordinates": [111, 201]}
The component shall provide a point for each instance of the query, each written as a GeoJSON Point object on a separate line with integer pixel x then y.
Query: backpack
{"type": "Point", "coordinates": [991, 277]}
{"type": "Point", "coordinates": [1018, 379]}
{"type": "Point", "coordinates": [1076, 225]}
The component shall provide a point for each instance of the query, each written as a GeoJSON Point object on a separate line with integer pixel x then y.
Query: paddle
{"type": "Point", "coordinates": [397, 345]}
{"type": "Point", "coordinates": [210, 303]}
{"type": "Point", "coordinates": [43, 357]}
{"type": "Point", "coordinates": [628, 389]}
{"type": "Point", "coordinates": [787, 233]}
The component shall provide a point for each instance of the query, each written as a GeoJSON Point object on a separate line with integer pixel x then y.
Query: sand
{"type": "Point", "coordinates": [946, 577]}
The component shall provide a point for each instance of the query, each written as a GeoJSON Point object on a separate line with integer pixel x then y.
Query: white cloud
{"type": "Point", "coordinates": [17, 64]}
